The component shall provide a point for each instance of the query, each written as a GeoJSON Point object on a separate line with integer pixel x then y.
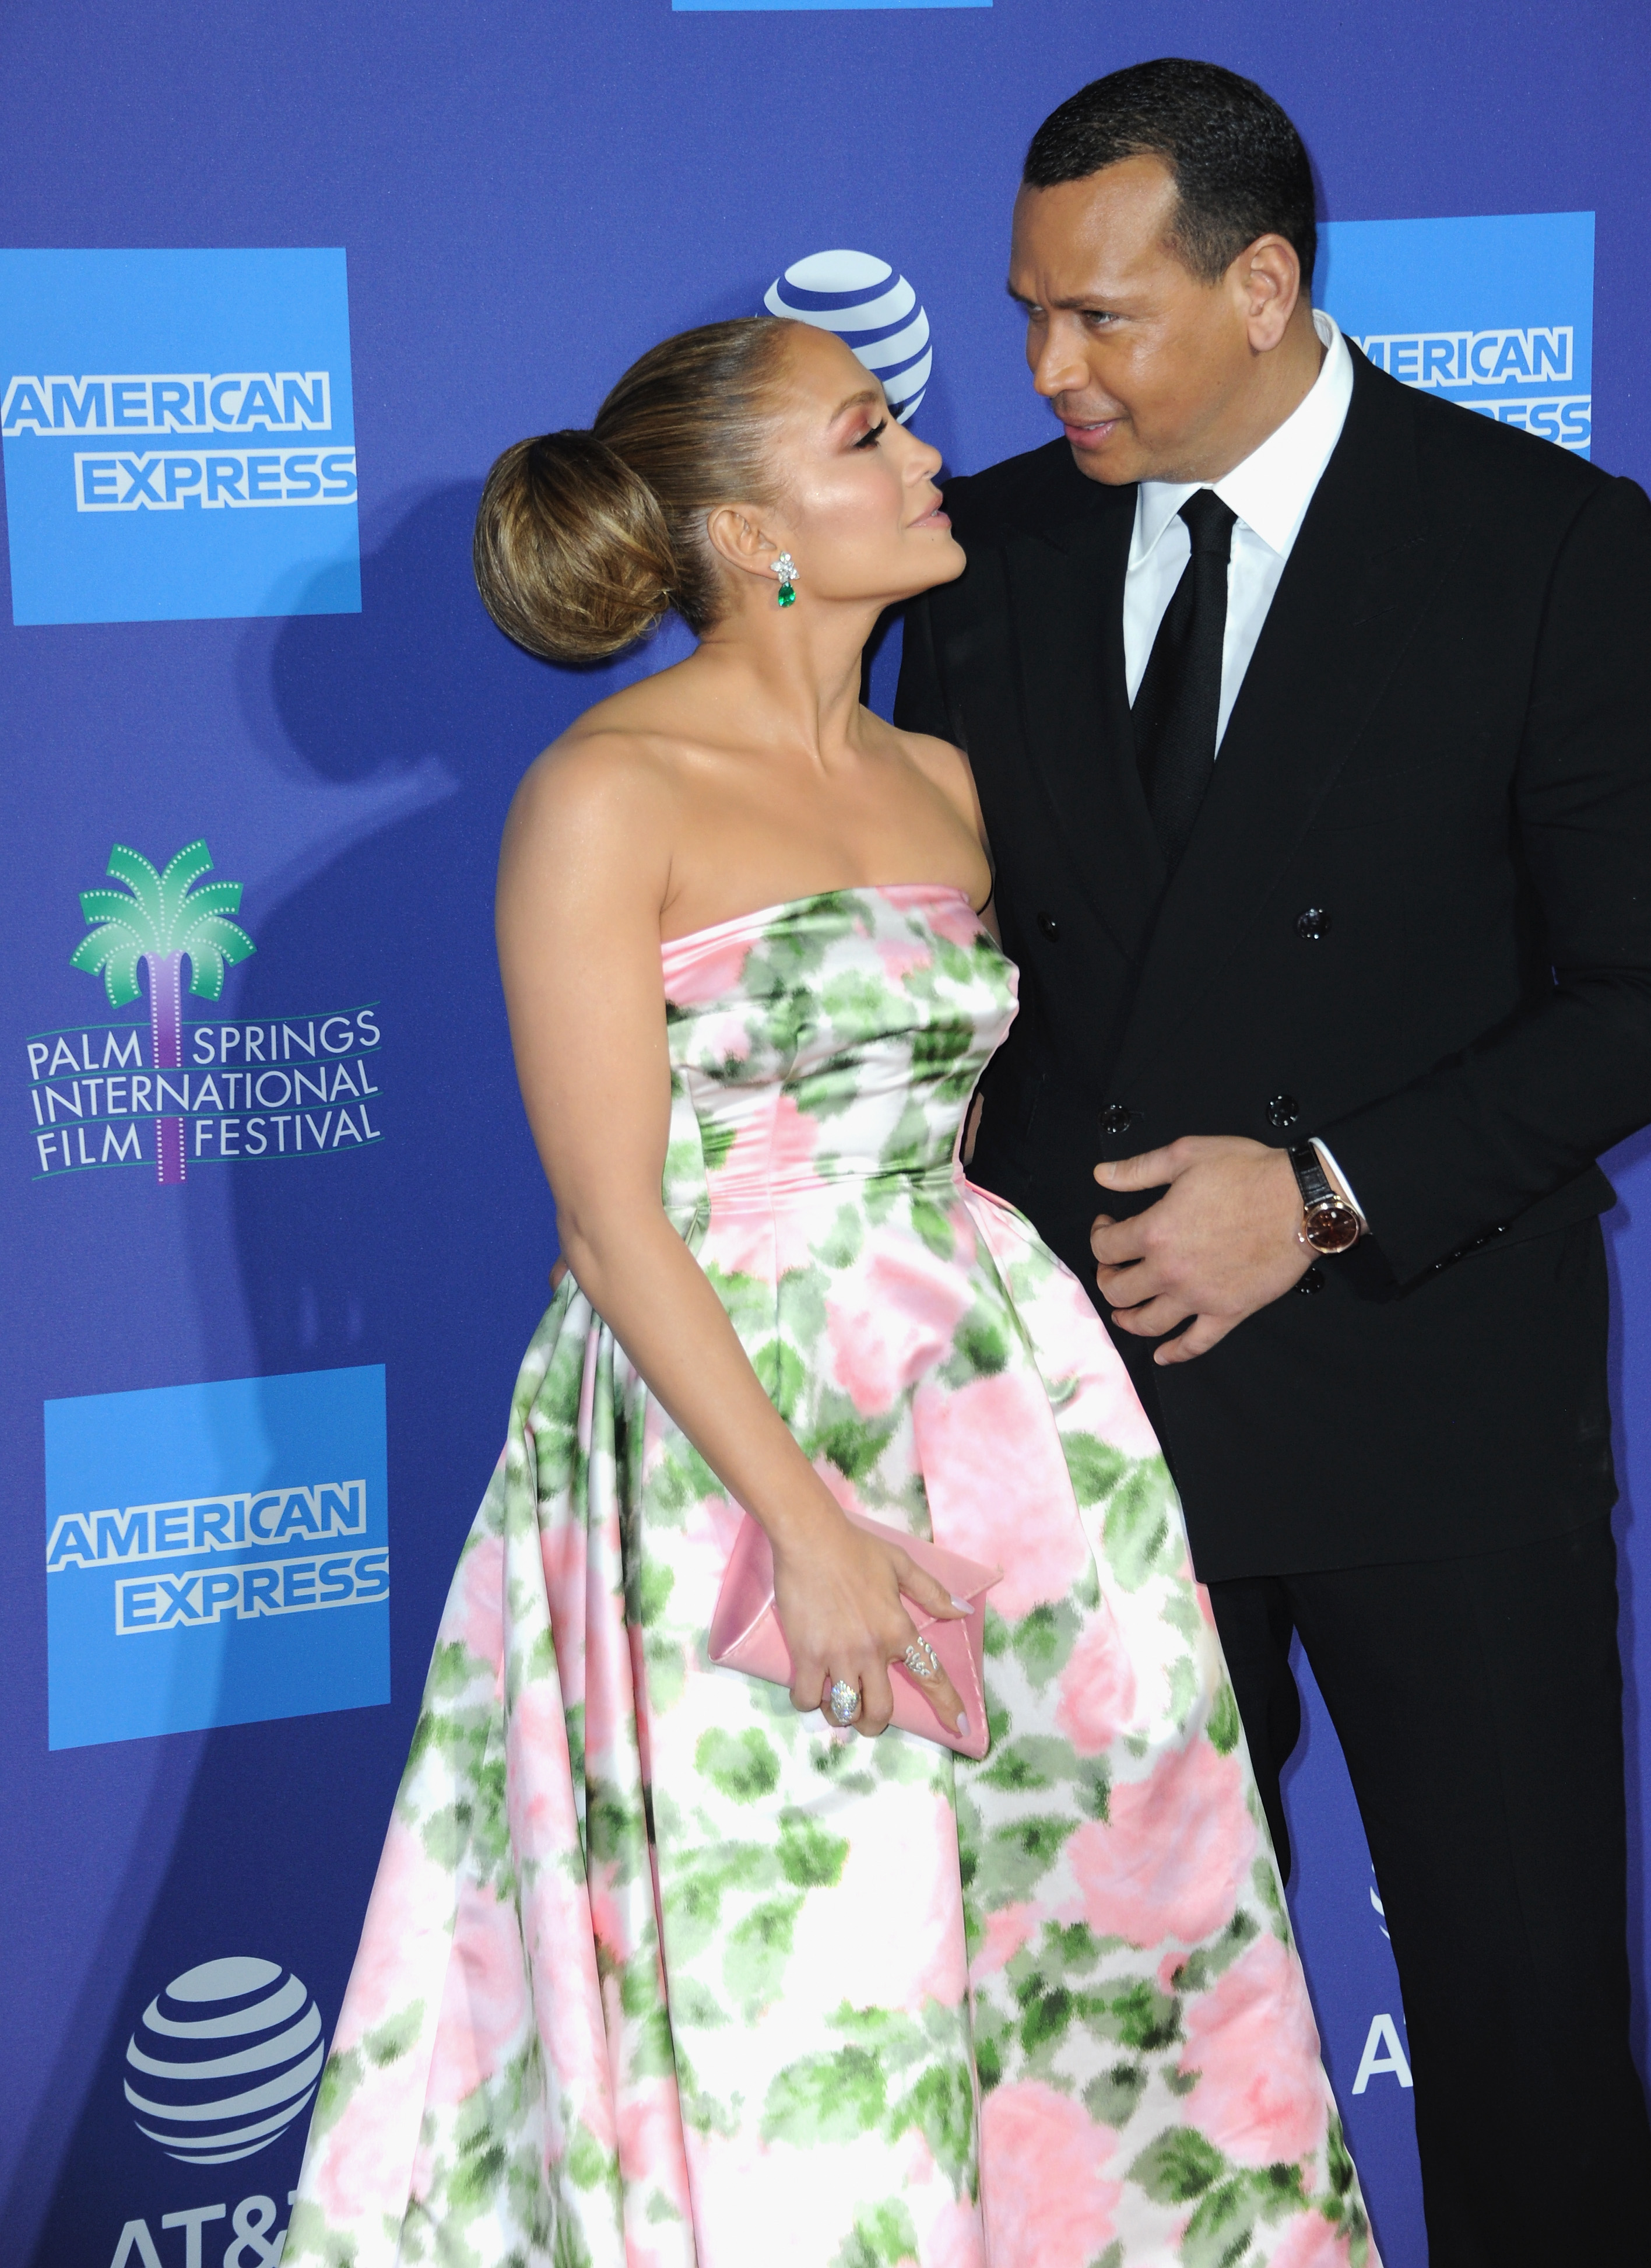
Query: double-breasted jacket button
{"type": "Point", "coordinates": [1313, 1281]}
{"type": "Point", "coordinates": [1115, 1119]}
{"type": "Point", "coordinates": [1049, 926]}
{"type": "Point", "coordinates": [1312, 924]}
{"type": "Point", "coordinates": [1284, 1110]}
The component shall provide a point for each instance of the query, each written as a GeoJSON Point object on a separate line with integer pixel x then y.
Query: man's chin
{"type": "Point", "coordinates": [1101, 451]}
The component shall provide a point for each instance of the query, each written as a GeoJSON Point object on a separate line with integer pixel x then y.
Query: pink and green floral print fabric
{"type": "Point", "coordinates": [657, 1973]}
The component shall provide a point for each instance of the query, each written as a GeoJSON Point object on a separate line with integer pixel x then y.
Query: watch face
{"type": "Point", "coordinates": [1331, 1227]}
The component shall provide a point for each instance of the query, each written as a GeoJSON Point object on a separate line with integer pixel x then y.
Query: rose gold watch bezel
{"type": "Point", "coordinates": [1331, 1213]}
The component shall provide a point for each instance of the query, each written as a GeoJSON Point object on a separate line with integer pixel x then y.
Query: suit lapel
{"type": "Point", "coordinates": [1065, 585]}
{"type": "Point", "coordinates": [1359, 581]}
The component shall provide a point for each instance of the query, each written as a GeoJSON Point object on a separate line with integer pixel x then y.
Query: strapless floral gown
{"type": "Point", "coordinates": [657, 1973]}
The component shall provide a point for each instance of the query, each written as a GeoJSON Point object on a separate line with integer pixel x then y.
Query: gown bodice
{"type": "Point", "coordinates": [834, 1039]}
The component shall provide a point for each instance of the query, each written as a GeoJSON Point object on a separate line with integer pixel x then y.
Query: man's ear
{"type": "Point", "coordinates": [737, 535]}
{"type": "Point", "coordinates": [1267, 277]}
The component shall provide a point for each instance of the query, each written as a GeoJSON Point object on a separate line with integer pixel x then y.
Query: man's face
{"type": "Point", "coordinates": [1145, 363]}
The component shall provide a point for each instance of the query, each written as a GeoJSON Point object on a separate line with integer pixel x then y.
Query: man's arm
{"type": "Point", "coordinates": [1480, 1138]}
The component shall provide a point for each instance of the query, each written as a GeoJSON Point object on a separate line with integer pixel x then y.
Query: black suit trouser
{"type": "Point", "coordinates": [1478, 1703]}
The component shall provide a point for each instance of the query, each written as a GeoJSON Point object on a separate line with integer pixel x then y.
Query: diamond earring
{"type": "Point", "coordinates": [785, 568]}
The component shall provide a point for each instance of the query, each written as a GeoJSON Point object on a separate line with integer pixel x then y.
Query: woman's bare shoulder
{"type": "Point", "coordinates": [948, 768]}
{"type": "Point", "coordinates": [625, 751]}
{"type": "Point", "coordinates": [622, 753]}
{"type": "Point", "coordinates": [605, 793]}
{"type": "Point", "coordinates": [946, 765]}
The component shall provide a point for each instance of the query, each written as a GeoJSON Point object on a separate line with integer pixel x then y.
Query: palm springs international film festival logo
{"type": "Point", "coordinates": [875, 312]}
{"type": "Point", "coordinates": [224, 2060]}
{"type": "Point", "coordinates": [178, 435]}
{"type": "Point", "coordinates": [1495, 312]}
{"type": "Point", "coordinates": [206, 1093]}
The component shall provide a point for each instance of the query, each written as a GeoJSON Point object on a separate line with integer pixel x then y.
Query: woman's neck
{"type": "Point", "coordinates": [795, 676]}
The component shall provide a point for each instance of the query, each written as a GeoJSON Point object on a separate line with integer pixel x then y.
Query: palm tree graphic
{"type": "Point", "coordinates": [161, 919]}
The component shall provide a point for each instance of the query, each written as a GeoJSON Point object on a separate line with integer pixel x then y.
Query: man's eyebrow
{"type": "Point", "coordinates": [1080, 301]}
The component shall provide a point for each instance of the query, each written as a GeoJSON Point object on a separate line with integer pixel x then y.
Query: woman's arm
{"type": "Point", "coordinates": [585, 870]}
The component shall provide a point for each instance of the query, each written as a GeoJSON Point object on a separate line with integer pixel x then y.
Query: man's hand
{"type": "Point", "coordinates": [1218, 1244]}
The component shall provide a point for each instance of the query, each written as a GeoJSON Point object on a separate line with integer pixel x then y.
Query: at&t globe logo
{"type": "Point", "coordinates": [224, 2060]}
{"type": "Point", "coordinates": [872, 310]}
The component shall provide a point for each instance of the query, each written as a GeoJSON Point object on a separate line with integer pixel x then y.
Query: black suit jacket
{"type": "Point", "coordinates": [1414, 917]}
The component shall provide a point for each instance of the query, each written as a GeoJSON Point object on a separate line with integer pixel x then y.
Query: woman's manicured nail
{"type": "Point", "coordinates": [962, 1606]}
{"type": "Point", "coordinates": [963, 1723]}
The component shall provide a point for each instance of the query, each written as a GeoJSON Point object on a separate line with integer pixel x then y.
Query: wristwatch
{"type": "Point", "coordinates": [1329, 1223]}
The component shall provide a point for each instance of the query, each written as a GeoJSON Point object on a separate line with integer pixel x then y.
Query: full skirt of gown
{"type": "Point", "coordinates": [657, 1973]}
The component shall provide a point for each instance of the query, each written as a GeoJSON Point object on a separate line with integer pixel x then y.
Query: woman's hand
{"type": "Point", "coordinates": [838, 1591]}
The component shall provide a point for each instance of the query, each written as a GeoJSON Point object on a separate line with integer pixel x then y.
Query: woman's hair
{"type": "Point", "coordinates": [583, 539]}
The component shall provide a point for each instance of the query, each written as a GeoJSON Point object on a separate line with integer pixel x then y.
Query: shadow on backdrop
{"type": "Point", "coordinates": [427, 1250]}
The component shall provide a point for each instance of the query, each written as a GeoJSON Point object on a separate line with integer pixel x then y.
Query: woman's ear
{"type": "Point", "coordinates": [736, 535]}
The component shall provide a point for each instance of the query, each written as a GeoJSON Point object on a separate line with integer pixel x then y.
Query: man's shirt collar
{"type": "Point", "coordinates": [1272, 489]}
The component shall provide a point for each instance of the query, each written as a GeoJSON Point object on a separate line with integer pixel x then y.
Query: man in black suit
{"type": "Point", "coordinates": [1311, 718]}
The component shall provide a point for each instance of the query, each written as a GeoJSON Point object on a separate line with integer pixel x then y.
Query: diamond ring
{"type": "Point", "coordinates": [921, 1659]}
{"type": "Point", "coordinates": [842, 1703]}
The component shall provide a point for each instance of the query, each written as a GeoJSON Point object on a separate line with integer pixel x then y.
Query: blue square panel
{"type": "Point", "coordinates": [1495, 312]}
{"type": "Point", "coordinates": [216, 1555]}
{"type": "Point", "coordinates": [179, 441]}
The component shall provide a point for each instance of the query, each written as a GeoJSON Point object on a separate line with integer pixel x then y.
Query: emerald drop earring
{"type": "Point", "coordinates": [785, 568]}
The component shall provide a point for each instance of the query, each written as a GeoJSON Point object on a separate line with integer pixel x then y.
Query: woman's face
{"type": "Point", "coordinates": [858, 507]}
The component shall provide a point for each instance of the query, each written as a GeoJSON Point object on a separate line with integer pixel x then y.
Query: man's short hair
{"type": "Point", "coordinates": [1241, 169]}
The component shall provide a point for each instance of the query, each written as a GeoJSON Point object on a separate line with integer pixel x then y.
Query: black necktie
{"type": "Point", "coordinates": [1179, 699]}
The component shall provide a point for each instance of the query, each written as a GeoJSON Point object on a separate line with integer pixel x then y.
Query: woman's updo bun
{"type": "Point", "coordinates": [573, 558]}
{"type": "Point", "coordinates": [584, 540]}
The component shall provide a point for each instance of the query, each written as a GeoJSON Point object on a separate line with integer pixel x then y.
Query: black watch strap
{"type": "Point", "coordinates": [1310, 1177]}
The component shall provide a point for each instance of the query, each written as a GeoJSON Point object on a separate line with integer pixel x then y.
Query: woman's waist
{"type": "Point", "coordinates": [825, 1186]}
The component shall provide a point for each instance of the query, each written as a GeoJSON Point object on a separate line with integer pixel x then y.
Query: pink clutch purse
{"type": "Point", "coordinates": [745, 1632]}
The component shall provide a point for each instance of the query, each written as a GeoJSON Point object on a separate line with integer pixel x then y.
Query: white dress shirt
{"type": "Point", "coordinates": [1270, 492]}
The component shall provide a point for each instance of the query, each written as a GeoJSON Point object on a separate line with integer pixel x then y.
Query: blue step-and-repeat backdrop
{"type": "Point", "coordinates": [275, 286]}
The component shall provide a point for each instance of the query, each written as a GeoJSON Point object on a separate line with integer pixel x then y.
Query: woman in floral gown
{"type": "Point", "coordinates": [664, 1968]}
